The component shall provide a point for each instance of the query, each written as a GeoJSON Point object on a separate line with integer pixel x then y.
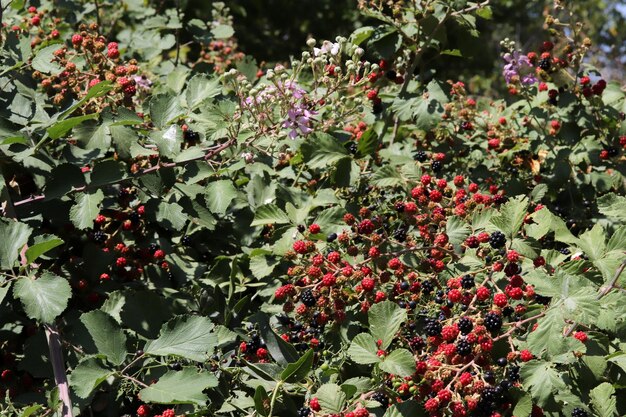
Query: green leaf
{"type": "Point", "coordinates": [59, 129]}
{"type": "Point", "coordinates": [387, 176]}
{"type": "Point", "coordinates": [322, 151]}
{"type": "Point", "coordinates": [457, 230]}
{"type": "Point", "coordinates": [297, 371]}
{"type": "Point", "coordinates": [363, 349]}
{"type": "Point", "coordinates": [180, 387]}
{"type": "Point", "coordinates": [399, 362]}
{"type": "Point", "coordinates": [368, 143]}
{"type": "Point", "coordinates": [4, 291]}
{"type": "Point", "coordinates": [14, 237]}
{"type": "Point", "coordinates": [282, 351]}
{"type": "Point", "coordinates": [86, 209]}
{"type": "Point", "coordinates": [269, 214]}
{"type": "Point", "coordinates": [188, 336]}
{"type": "Point", "coordinates": [29, 411]}
{"type": "Point", "coordinates": [582, 306]}
{"type": "Point", "coordinates": [261, 401]}
{"type": "Point", "coordinates": [106, 172]}
{"type": "Point", "coordinates": [87, 376]}
{"type": "Point", "coordinates": [169, 141]}
{"type": "Point", "coordinates": [222, 31]}
{"type": "Point", "coordinates": [164, 109]}
{"type": "Point", "coordinates": [485, 12]}
{"type": "Point", "coordinates": [200, 88]}
{"type": "Point", "coordinates": [171, 215]}
{"type": "Point", "coordinates": [331, 398]}
{"type": "Point", "coordinates": [97, 90]}
{"type": "Point", "coordinates": [107, 335]}
{"type": "Point", "coordinates": [385, 319]}
{"type": "Point", "coordinates": [43, 298]}
{"type": "Point", "coordinates": [43, 60]}
{"type": "Point", "coordinates": [511, 216]}
{"type": "Point", "coordinates": [543, 381]}
{"type": "Point", "coordinates": [524, 406]}
{"type": "Point", "coordinates": [361, 35]}
{"type": "Point", "coordinates": [219, 194]}
{"type": "Point", "coordinates": [405, 409]}
{"type": "Point", "coordinates": [592, 242]}
{"type": "Point", "coordinates": [613, 206]}
{"type": "Point", "coordinates": [603, 400]}
{"type": "Point", "coordinates": [38, 249]}
{"type": "Point", "coordinates": [262, 266]}
{"type": "Point", "coordinates": [548, 337]}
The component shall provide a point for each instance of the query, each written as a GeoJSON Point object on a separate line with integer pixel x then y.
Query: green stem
{"type": "Point", "coordinates": [274, 396]}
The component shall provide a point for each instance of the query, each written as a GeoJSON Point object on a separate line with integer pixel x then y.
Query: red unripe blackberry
{"type": "Point", "coordinates": [143, 410]}
{"type": "Point", "coordinates": [525, 355]}
{"type": "Point", "coordinates": [482, 293]}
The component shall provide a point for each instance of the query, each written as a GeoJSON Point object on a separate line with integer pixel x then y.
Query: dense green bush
{"type": "Point", "coordinates": [355, 232]}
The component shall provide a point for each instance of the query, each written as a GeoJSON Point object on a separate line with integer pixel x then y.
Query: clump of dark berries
{"type": "Point", "coordinates": [493, 322]}
{"type": "Point", "coordinates": [497, 240]}
{"type": "Point", "coordinates": [307, 298]}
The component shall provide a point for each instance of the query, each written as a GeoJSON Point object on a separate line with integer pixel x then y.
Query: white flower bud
{"type": "Point", "coordinates": [311, 42]}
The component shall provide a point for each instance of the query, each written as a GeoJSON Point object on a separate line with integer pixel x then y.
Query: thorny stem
{"type": "Point", "coordinates": [58, 367]}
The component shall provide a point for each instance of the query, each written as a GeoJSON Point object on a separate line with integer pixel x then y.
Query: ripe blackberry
{"type": "Point", "coordinates": [497, 240]}
{"type": "Point", "coordinates": [465, 325]}
{"type": "Point", "coordinates": [613, 151]}
{"type": "Point", "coordinates": [420, 156]}
{"type": "Point", "coordinates": [493, 322]}
{"type": "Point", "coordinates": [381, 398]}
{"type": "Point", "coordinates": [499, 199]}
{"type": "Point", "coordinates": [502, 362]}
{"type": "Point", "coordinates": [307, 298]}
{"type": "Point", "coordinates": [564, 251]}
{"type": "Point", "coordinates": [433, 328]}
{"type": "Point", "coordinates": [134, 217]}
{"type": "Point", "coordinates": [186, 240]}
{"type": "Point", "coordinates": [352, 147]}
{"type": "Point", "coordinates": [191, 136]}
{"type": "Point", "coordinates": [513, 373]}
{"type": "Point", "coordinates": [331, 237]}
{"type": "Point", "coordinates": [544, 64]}
{"type": "Point", "coordinates": [304, 412]}
{"type": "Point", "coordinates": [416, 343]}
{"type": "Point", "coordinates": [579, 412]}
{"type": "Point", "coordinates": [399, 206]}
{"type": "Point", "coordinates": [400, 234]}
{"type": "Point", "coordinates": [427, 287]}
{"type": "Point", "coordinates": [467, 282]}
{"type": "Point", "coordinates": [99, 236]}
{"type": "Point", "coordinates": [463, 348]}
{"type": "Point", "coordinates": [153, 247]}
{"type": "Point", "coordinates": [437, 166]}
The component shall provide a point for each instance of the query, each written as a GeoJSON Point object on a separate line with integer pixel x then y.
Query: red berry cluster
{"type": "Point", "coordinates": [400, 253]}
{"type": "Point", "coordinates": [88, 61]}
